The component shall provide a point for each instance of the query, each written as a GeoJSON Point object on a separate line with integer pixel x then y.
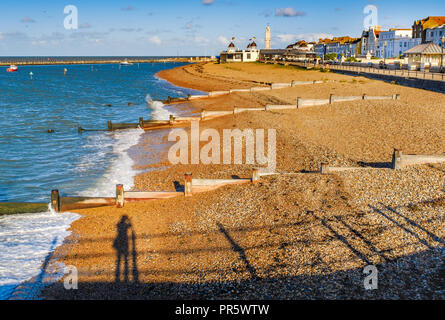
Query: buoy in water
{"type": "Point", "coordinates": [65, 71]}
{"type": "Point", "coordinates": [31, 74]}
{"type": "Point", "coordinates": [51, 131]}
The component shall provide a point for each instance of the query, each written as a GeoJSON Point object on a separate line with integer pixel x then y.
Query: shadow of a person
{"type": "Point", "coordinates": [134, 255]}
{"type": "Point", "coordinates": [121, 244]}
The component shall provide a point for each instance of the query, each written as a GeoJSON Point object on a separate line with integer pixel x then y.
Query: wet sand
{"type": "Point", "coordinates": [291, 236]}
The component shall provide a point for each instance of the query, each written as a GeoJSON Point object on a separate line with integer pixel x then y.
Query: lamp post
{"type": "Point", "coordinates": [384, 51]}
{"type": "Point", "coordinates": [443, 44]}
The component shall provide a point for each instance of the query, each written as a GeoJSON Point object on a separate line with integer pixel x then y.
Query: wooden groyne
{"type": "Point", "coordinates": [7, 208]}
{"type": "Point", "coordinates": [399, 161]}
{"type": "Point", "coordinates": [266, 87]}
{"type": "Point", "coordinates": [191, 186]}
{"type": "Point", "coordinates": [211, 114]}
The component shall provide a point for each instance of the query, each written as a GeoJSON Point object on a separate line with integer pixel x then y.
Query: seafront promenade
{"type": "Point", "coordinates": [372, 70]}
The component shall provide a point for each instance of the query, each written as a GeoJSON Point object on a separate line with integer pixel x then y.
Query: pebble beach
{"type": "Point", "coordinates": [297, 234]}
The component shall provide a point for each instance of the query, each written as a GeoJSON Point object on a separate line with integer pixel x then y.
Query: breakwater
{"type": "Point", "coordinates": [21, 61]}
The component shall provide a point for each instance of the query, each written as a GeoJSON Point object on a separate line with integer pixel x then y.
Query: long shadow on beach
{"type": "Point", "coordinates": [122, 246]}
{"type": "Point", "coordinates": [412, 276]}
{"type": "Point", "coordinates": [347, 284]}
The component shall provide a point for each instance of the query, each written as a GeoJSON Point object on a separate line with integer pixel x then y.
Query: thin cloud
{"type": "Point", "coordinates": [84, 26]}
{"type": "Point", "coordinates": [89, 36]}
{"type": "Point", "coordinates": [28, 20]}
{"type": "Point", "coordinates": [131, 29]}
{"type": "Point", "coordinates": [223, 40]}
{"type": "Point", "coordinates": [192, 26]}
{"type": "Point", "coordinates": [158, 31]}
{"type": "Point", "coordinates": [15, 35]}
{"type": "Point", "coordinates": [155, 40]}
{"type": "Point", "coordinates": [288, 12]}
{"type": "Point", "coordinates": [207, 2]}
{"type": "Point", "coordinates": [201, 40]}
{"type": "Point", "coordinates": [128, 8]}
{"type": "Point", "coordinates": [288, 38]}
{"type": "Point", "coordinates": [55, 36]}
{"type": "Point", "coordinates": [266, 13]}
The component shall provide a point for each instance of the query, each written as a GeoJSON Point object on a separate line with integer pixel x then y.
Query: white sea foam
{"type": "Point", "coordinates": [158, 111]}
{"type": "Point", "coordinates": [25, 242]}
{"type": "Point", "coordinates": [120, 170]}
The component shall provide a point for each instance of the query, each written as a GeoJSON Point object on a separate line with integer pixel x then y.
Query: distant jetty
{"type": "Point", "coordinates": [23, 61]}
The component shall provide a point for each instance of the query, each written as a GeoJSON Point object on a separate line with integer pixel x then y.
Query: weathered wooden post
{"type": "Point", "coordinates": [120, 199]}
{"type": "Point", "coordinates": [364, 97]}
{"type": "Point", "coordinates": [188, 184]}
{"type": "Point", "coordinates": [141, 122]}
{"type": "Point", "coordinates": [255, 175]}
{"type": "Point", "coordinates": [79, 129]}
{"type": "Point", "coordinates": [189, 96]}
{"type": "Point", "coordinates": [55, 200]}
{"type": "Point", "coordinates": [397, 160]}
{"type": "Point", "coordinates": [299, 103]}
{"type": "Point", "coordinates": [235, 110]}
{"type": "Point", "coordinates": [169, 99]}
{"type": "Point", "coordinates": [172, 120]}
{"type": "Point", "coordinates": [331, 99]}
{"type": "Point", "coordinates": [324, 169]}
{"type": "Point", "coordinates": [110, 125]}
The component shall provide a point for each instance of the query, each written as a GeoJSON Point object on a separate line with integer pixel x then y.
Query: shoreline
{"type": "Point", "coordinates": [185, 248]}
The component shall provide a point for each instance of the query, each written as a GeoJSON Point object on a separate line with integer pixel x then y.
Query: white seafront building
{"type": "Point", "coordinates": [251, 54]}
{"type": "Point", "coordinates": [435, 34]}
{"type": "Point", "coordinates": [395, 42]}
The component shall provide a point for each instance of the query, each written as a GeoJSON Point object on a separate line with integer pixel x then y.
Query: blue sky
{"type": "Point", "coordinates": [192, 27]}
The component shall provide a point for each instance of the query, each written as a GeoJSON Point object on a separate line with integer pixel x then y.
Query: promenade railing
{"type": "Point", "coordinates": [370, 69]}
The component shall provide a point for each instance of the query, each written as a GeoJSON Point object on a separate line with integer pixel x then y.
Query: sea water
{"type": "Point", "coordinates": [33, 161]}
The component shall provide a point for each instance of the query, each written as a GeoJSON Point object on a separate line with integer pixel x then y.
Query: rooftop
{"type": "Point", "coordinates": [431, 22]}
{"type": "Point", "coordinates": [425, 48]}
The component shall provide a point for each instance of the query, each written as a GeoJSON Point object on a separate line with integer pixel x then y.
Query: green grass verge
{"type": "Point", "coordinates": [7, 208]}
{"type": "Point", "coordinates": [281, 66]}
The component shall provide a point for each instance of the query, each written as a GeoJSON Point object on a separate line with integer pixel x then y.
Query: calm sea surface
{"type": "Point", "coordinates": [33, 162]}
